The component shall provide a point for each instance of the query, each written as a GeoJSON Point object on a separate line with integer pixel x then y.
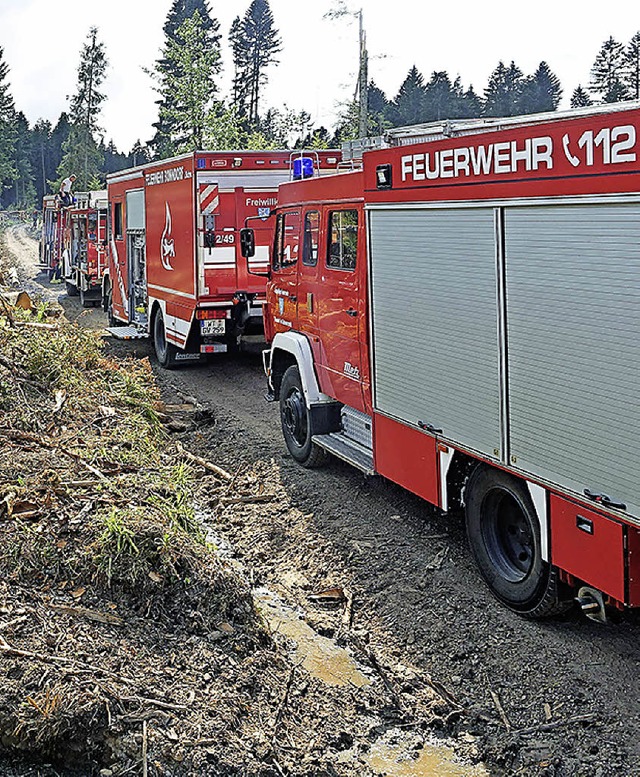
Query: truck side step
{"type": "Point", "coordinates": [347, 450]}
{"type": "Point", "coordinates": [126, 333]}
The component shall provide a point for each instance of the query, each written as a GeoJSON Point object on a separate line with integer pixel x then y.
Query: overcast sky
{"type": "Point", "coordinates": [42, 41]}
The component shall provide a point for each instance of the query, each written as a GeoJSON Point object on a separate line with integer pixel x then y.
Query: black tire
{"type": "Point", "coordinates": [107, 306]}
{"type": "Point", "coordinates": [165, 351]}
{"type": "Point", "coordinates": [72, 289]}
{"type": "Point", "coordinates": [296, 421]}
{"type": "Point", "coordinates": [504, 536]}
{"type": "Point", "coordinates": [106, 297]}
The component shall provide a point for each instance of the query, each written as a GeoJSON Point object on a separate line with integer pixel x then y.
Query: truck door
{"type": "Point", "coordinates": [341, 305]}
{"type": "Point", "coordinates": [117, 245]}
{"type": "Point", "coordinates": [308, 275]}
{"type": "Point", "coordinates": [283, 290]}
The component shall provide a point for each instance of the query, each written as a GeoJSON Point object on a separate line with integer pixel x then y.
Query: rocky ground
{"type": "Point", "coordinates": [384, 652]}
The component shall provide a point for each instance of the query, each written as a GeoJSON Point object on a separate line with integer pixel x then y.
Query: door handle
{"type": "Point", "coordinates": [293, 298]}
{"type": "Point", "coordinates": [351, 312]}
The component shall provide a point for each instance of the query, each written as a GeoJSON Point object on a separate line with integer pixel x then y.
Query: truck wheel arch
{"type": "Point", "coordinates": [292, 348]}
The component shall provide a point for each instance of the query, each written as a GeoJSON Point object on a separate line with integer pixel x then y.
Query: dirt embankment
{"type": "Point", "coordinates": [375, 644]}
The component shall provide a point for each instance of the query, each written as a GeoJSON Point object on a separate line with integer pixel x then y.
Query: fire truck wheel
{"type": "Point", "coordinates": [72, 289]}
{"type": "Point", "coordinates": [107, 305]}
{"type": "Point", "coordinates": [165, 352]}
{"type": "Point", "coordinates": [504, 536]}
{"type": "Point", "coordinates": [296, 421]}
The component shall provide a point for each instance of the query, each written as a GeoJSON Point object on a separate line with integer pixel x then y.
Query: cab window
{"type": "Point", "coordinates": [285, 252]}
{"type": "Point", "coordinates": [342, 245]}
{"type": "Point", "coordinates": [310, 238]}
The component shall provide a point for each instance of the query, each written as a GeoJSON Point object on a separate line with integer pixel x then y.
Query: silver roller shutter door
{"type": "Point", "coordinates": [573, 311]}
{"type": "Point", "coordinates": [434, 321]}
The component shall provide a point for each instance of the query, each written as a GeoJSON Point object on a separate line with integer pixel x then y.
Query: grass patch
{"type": "Point", "coordinates": [132, 532]}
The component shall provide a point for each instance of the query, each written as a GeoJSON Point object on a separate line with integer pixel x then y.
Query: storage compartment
{"type": "Point", "coordinates": [435, 323]}
{"type": "Point", "coordinates": [407, 456]}
{"type": "Point", "coordinates": [573, 307]}
{"type": "Point", "coordinates": [588, 545]}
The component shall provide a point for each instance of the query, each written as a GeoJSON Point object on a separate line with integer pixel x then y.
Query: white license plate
{"type": "Point", "coordinates": [212, 326]}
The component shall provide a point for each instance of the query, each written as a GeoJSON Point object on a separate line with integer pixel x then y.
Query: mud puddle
{"type": "Point", "coordinates": [395, 759]}
{"type": "Point", "coordinates": [319, 655]}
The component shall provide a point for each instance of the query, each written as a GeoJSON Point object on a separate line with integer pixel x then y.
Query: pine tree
{"type": "Point", "coordinates": [59, 137]}
{"type": "Point", "coordinates": [7, 128]}
{"type": "Point", "coordinates": [187, 75]}
{"type": "Point", "coordinates": [256, 44]}
{"type": "Point", "coordinates": [82, 156]}
{"type": "Point", "coordinates": [240, 55]}
{"type": "Point", "coordinates": [440, 98]}
{"type": "Point", "coordinates": [408, 107]}
{"type": "Point", "coordinates": [317, 139]}
{"type": "Point", "coordinates": [632, 57]}
{"type": "Point", "coordinates": [541, 92]}
{"type": "Point", "coordinates": [139, 154]}
{"type": "Point", "coordinates": [608, 73]}
{"type": "Point", "coordinates": [580, 98]}
{"type": "Point", "coordinates": [225, 129]}
{"type": "Point", "coordinates": [503, 92]}
{"type": "Point", "coordinates": [163, 142]}
{"type": "Point", "coordinates": [24, 190]}
{"type": "Point", "coordinates": [348, 124]}
{"type": "Point", "coordinates": [378, 106]}
{"type": "Point", "coordinates": [114, 160]}
{"type": "Point", "coordinates": [41, 163]}
{"type": "Point", "coordinates": [471, 105]}
{"type": "Point", "coordinates": [284, 127]}
{"type": "Point", "coordinates": [86, 103]}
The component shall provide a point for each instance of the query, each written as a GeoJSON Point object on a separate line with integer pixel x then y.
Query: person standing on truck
{"type": "Point", "coordinates": [65, 191]}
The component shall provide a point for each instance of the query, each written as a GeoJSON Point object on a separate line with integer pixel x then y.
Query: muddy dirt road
{"type": "Point", "coordinates": [539, 698]}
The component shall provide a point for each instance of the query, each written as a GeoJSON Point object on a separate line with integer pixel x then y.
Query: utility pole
{"type": "Point", "coordinates": [363, 79]}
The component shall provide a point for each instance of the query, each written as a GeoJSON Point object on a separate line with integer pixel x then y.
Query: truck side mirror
{"type": "Point", "coordinates": [247, 242]}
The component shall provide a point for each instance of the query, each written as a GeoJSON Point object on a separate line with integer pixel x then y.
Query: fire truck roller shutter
{"type": "Point", "coordinates": [573, 317]}
{"type": "Point", "coordinates": [434, 318]}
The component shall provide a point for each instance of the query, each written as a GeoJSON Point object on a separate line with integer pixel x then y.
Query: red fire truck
{"type": "Point", "coordinates": [461, 316]}
{"type": "Point", "coordinates": [173, 271]}
{"type": "Point", "coordinates": [73, 244]}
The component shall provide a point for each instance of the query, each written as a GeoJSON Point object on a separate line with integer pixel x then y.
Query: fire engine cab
{"type": "Point", "coordinates": [461, 316]}
{"type": "Point", "coordinates": [173, 271]}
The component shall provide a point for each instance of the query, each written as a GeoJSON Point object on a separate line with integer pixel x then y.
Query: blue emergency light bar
{"type": "Point", "coordinates": [302, 168]}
